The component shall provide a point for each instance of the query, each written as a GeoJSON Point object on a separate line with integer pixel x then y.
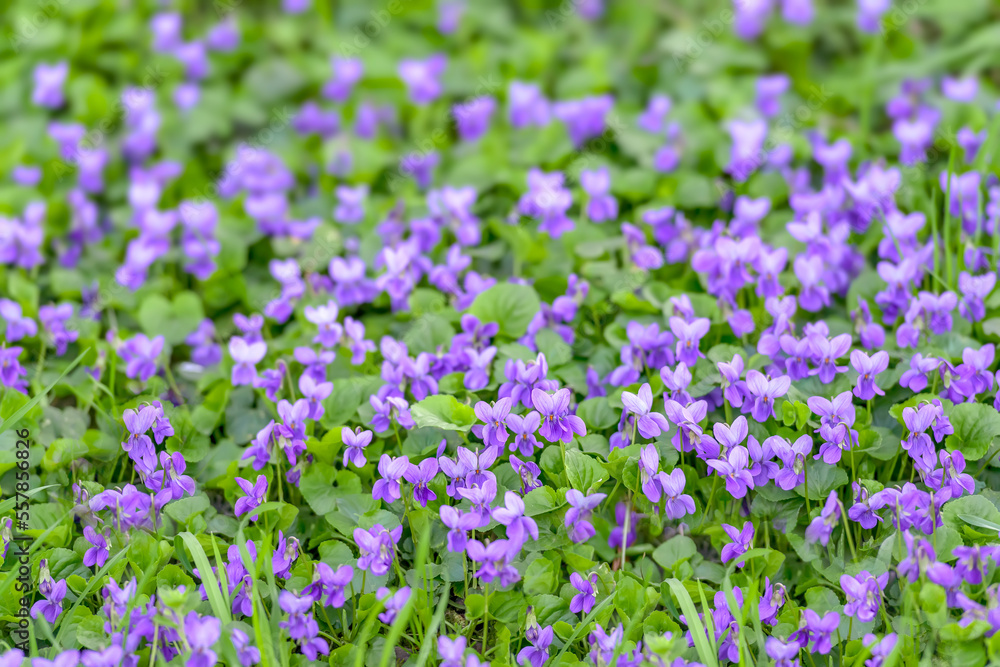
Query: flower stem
{"type": "Point", "coordinates": [847, 531]}
{"type": "Point", "coordinates": [41, 363]}
{"type": "Point", "coordinates": [152, 651]}
{"type": "Point", "coordinates": [486, 615]}
{"type": "Point", "coordinates": [805, 473]}
{"type": "Point", "coordinates": [628, 515]}
{"type": "Point", "coordinates": [710, 506]}
{"type": "Point", "coordinates": [395, 429]}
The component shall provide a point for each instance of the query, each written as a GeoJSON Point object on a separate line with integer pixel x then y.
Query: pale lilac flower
{"type": "Point", "coordinates": [459, 525]}
{"type": "Point", "coordinates": [689, 334]}
{"type": "Point", "coordinates": [494, 416]}
{"type": "Point", "coordinates": [420, 476]}
{"type": "Point", "coordinates": [377, 548]}
{"type": "Point", "coordinates": [524, 429]}
{"type": "Point", "coordinates": [577, 517]}
{"type": "Point", "coordinates": [583, 601]}
{"type": "Point", "coordinates": [557, 422]}
{"type": "Point", "coordinates": [256, 496]}
{"type": "Point", "coordinates": [649, 422]}
{"type": "Point", "coordinates": [764, 390]}
{"type": "Point", "coordinates": [49, 81]}
{"type": "Point", "coordinates": [867, 368]}
{"type": "Point", "coordinates": [742, 542]}
{"type": "Point", "coordinates": [18, 326]}
{"type": "Point", "coordinates": [393, 603]}
{"type": "Point", "coordinates": [678, 503]}
{"type": "Point", "coordinates": [421, 77]}
{"type": "Point", "coordinates": [519, 526]}
{"type": "Point", "coordinates": [246, 356]}
{"type": "Point", "coordinates": [355, 441]}
{"type": "Point", "coordinates": [325, 318]}
{"type": "Point", "coordinates": [733, 467]}
{"type": "Point", "coordinates": [98, 553]}
{"type": "Point", "coordinates": [864, 594]}
{"type": "Point", "coordinates": [392, 470]}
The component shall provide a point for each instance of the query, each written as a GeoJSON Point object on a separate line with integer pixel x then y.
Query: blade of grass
{"type": "Point", "coordinates": [947, 217]}
{"type": "Point", "coordinates": [431, 633]}
{"type": "Point", "coordinates": [134, 600]}
{"type": "Point", "coordinates": [979, 523]}
{"type": "Point", "coordinates": [749, 603]}
{"type": "Point", "coordinates": [223, 577]}
{"type": "Point", "coordinates": [362, 644]}
{"type": "Point", "coordinates": [935, 239]}
{"type": "Point", "coordinates": [709, 620]}
{"type": "Point", "coordinates": [212, 589]}
{"type": "Point", "coordinates": [47, 633]}
{"type": "Point", "coordinates": [9, 504]}
{"type": "Point", "coordinates": [264, 640]}
{"type": "Point", "coordinates": [403, 617]}
{"type": "Point", "coordinates": [275, 608]}
{"type": "Point", "coordinates": [396, 631]}
{"type": "Point", "coordinates": [7, 422]}
{"type": "Point", "coordinates": [701, 644]}
{"type": "Point", "coordinates": [737, 612]}
{"type": "Point", "coordinates": [754, 603]}
{"type": "Point", "coordinates": [874, 48]}
{"type": "Point", "coordinates": [985, 154]}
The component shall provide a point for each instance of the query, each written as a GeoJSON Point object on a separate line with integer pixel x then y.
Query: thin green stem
{"type": "Point", "coordinates": [486, 614]}
{"type": "Point", "coordinates": [628, 516]}
{"type": "Point", "coordinates": [41, 363]}
{"type": "Point", "coordinates": [710, 506]}
{"type": "Point", "coordinates": [847, 531]}
{"type": "Point", "coordinates": [805, 473]}
{"type": "Point", "coordinates": [399, 441]}
{"type": "Point", "coordinates": [948, 276]}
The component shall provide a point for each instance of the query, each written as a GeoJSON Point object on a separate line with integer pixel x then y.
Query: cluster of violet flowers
{"type": "Point", "coordinates": [700, 436]}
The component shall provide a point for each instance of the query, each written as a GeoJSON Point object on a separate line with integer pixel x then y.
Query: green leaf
{"type": "Point", "coordinates": [540, 577]}
{"type": "Point", "coordinates": [348, 394]}
{"type": "Point", "coordinates": [208, 415]}
{"type": "Point", "coordinates": [62, 452]}
{"type": "Point", "coordinates": [555, 349]}
{"type": "Point", "coordinates": [317, 486]}
{"type": "Point", "coordinates": [597, 413]}
{"type": "Point", "coordinates": [172, 320]}
{"type": "Point", "coordinates": [183, 509]}
{"type": "Point", "coordinates": [273, 79]}
{"type": "Point", "coordinates": [972, 510]}
{"type": "Point", "coordinates": [629, 597]}
{"type": "Point", "coordinates": [879, 443]}
{"type": "Point", "coordinates": [541, 500]}
{"type": "Point", "coordinates": [975, 427]}
{"type": "Point", "coordinates": [822, 478]}
{"type": "Point", "coordinates": [475, 605]}
{"type": "Point", "coordinates": [444, 412]}
{"type": "Point", "coordinates": [23, 290]}
{"type": "Point", "coordinates": [143, 551]}
{"type": "Point", "coordinates": [509, 305]}
{"type": "Point", "coordinates": [584, 472]}
{"type": "Point", "coordinates": [675, 550]}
